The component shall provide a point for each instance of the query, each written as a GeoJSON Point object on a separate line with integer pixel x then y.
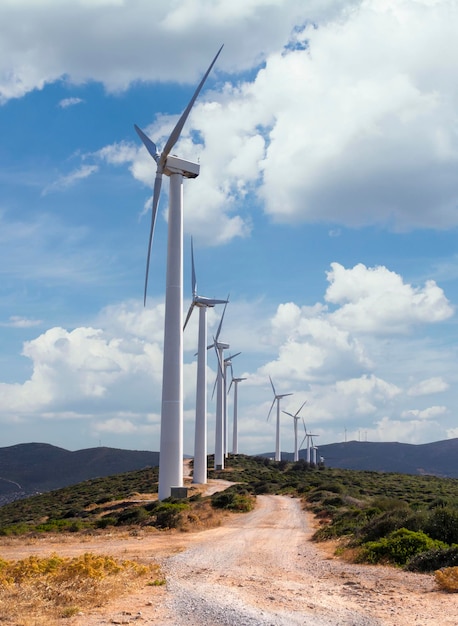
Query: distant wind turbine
{"type": "Point", "coordinates": [277, 398]}
{"type": "Point", "coordinates": [309, 440]}
{"type": "Point", "coordinates": [219, 422]}
{"type": "Point", "coordinates": [235, 442]}
{"type": "Point", "coordinates": [171, 444]}
{"type": "Point", "coordinates": [200, 437]}
{"type": "Point", "coordinates": [296, 418]}
{"type": "Point", "coordinates": [227, 363]}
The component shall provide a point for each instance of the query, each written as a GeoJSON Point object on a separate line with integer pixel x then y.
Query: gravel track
{"type": "Point", "coordinates": [262, 570]}
{"type": "Point", "coordinates": [257, 569]}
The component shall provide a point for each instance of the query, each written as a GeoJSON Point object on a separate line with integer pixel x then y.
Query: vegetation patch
{"type": "Point", "coordinates": [56, 587]}
{"type": "Point", "coordinates": [447, 579]}
{"type": "Point", "coordinates": [235, 498]}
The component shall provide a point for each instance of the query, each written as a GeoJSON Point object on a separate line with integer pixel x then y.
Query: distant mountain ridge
{"type": "Point", "coordinates": [29, 468]}
{"type": "Point", "coordinates": [439, 458]}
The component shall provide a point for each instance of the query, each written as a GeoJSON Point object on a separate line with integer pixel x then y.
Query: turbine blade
{"type": "Point", "coordinates": [156, 194]}
{"type": "Point", "coordinates": [188, 315]}
{"type": "Point", "coordinates": [149, 145]}
{"type": "Point", "coordinates": [214, 386]}
{"type": "Point", "coordinates": [174, 135]}
{"type": "Point", "coordinates": [221, 322]}
{"type": "Point", "coordinates": [275, 393]}
{"type": "Point", "coordinates": [302, 406]}
{"type": "Point", "coordinates": [270, 410]}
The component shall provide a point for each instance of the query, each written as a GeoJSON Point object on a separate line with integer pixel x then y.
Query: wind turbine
{"type": "Point", "coordinates": [309, 439]}
{"type": "Point", "coordinates": [200, 437]}
{"type": "Point", "coordinates": [219, 422]}
{"type": "Point", "coordinates": [227, 363]}
{"type": "Point", "coordinates": [235, 382]}
{"type": "Point", "coordinates": [277, 398]}
{"type": "Point", "coordinates": [296, 418]}
{"type": "Point", "coordinates": [171, 444]}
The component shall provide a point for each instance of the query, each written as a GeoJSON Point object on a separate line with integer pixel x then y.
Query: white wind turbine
{"type": "Point", "coordinates": [200, 438]}
{"type": "Point", "coordinates": [277, 398]}
{"type": "Point", "coordinates": [296, 418]}
{"type": "Point", "coordinates": [235, 441]}
{"type": "Point", "coordinates": [309, 440]}
{"type": "Point", "coordinates": [219, 422]}
{"type": "Point", "coordinates": [227, 363]}
{"type": "Point", "coordinates": [171, 444]}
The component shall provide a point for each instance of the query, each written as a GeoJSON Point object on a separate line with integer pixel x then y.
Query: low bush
{"type": "Point", "coordinates": [443, 524]}
{"type": "Point", "coordinates": [398, 547]}
{"type": "Point", "coordinates": [133, 515]}
{"type": "Point", "coordinates": [233, 499]}
{"type": "Point", "coordinates": [447, 579]}
{"type": "Point", "coordinates": [168, 514]}
{"type": "Point", "coordinates": [387, 522]}
{"type": "Point", "coordinates": [434, 559]}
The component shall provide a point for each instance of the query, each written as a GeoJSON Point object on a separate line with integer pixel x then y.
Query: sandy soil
{"type": "Point", "coordinates": [260, 569]}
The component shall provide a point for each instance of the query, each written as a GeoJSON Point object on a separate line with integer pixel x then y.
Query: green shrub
{"type": "Point", "coordinates": [398, 547]}
{"type": "Point", "coordinates": [434, 559]}
{"type": "Point", "coordinates": [385, 523]}
{"type": "Point", "coordinates": [105, 521]}
{"type": "Point", "coordinates": [133, 515]}
{"type": "Point", "coordinates": [168, 514]}
{"type": "Point", "coordinates": [443, 524]}
{"type": "Point", "coordinates": [233, 499]}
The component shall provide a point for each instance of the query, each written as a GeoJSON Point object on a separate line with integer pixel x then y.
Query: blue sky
{"type": "Point", "coordinates": [326, 206]}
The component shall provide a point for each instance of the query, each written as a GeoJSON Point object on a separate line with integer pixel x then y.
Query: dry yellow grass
{"type": "Point", "coordinates": [41, 591]}
{"type": "Point", "coordinates": [447, 579]}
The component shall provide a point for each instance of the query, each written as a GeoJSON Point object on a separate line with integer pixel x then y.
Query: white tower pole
{"type": "Point", "coordinates": [200, 442]}
{"type": "Point", "coordinates": [235, 438]}
{"type": "Point", "coordinates": [225, 364]}
{"type": "Point", "coordinates": [277, 434]}
{"type": "Point", "coordinates": [308, 449]}
{"type": "Point", "coordinates": [219, 426]}
{"type": "Point", "coordinates": [171, 444]}
{"type": "Point", "coordinates": [296, 451]}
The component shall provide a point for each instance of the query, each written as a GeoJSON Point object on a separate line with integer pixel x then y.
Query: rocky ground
{"type": "Point", "coordinates": [257, 569]}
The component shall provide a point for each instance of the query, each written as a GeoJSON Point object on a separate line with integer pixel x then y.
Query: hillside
{"type": "Point", "coordinates": [31, 468]}
{"type": "Point", "coordinates": [439, 458]}
{"type": "Point", "coordinates": [38, 467]}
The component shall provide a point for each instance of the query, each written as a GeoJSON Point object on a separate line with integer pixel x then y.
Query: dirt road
{"type": "Point", "coordinates": [259, 569]}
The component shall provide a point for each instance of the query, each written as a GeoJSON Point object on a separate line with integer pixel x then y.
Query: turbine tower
{"type": "Point", "coordinates": [171, 444]}
{"type": "Point", "coordinates": [296, 418]}
{"type": "Point", "coordinates": [309, 440]}
{"type": "Point", "coordinates": [200, 437]}
{"type": "Point", "coordinates": [227, 363]}
{"type": "Point", "coordinates": [219, 425]}
{"type": "Point", "coordinates": [235, 441]}
{"type": "Point", "coordinates": [277, 398]}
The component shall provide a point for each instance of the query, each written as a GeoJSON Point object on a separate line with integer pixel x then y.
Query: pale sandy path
{"type": "Point", "coordinates": [259, 569]}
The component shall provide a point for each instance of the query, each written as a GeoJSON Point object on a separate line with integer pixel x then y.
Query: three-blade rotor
{"type": "Point", "coordinates": [277, 397]}
{"type": "Point", "coordinates": [199, 301]}
{"type": "Point", "coordinates": [296, 414]}
{"type": "Point", "coordinates": [162, 158]}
